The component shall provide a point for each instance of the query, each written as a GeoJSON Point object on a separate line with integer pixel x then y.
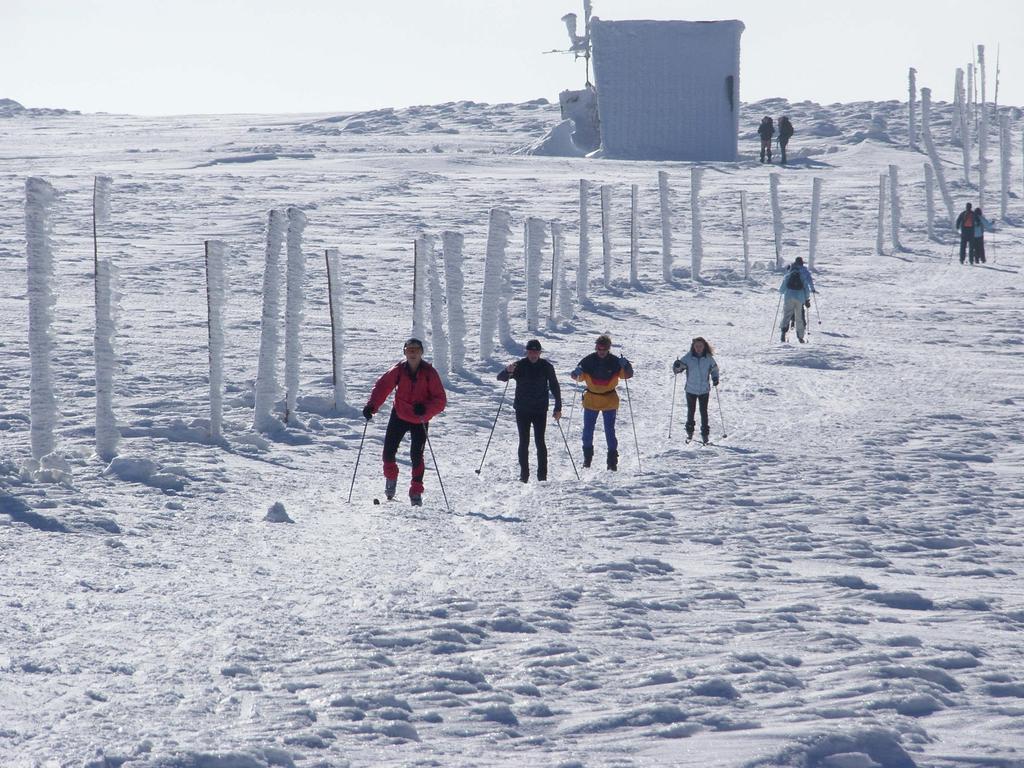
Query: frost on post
{"type": "Point", "coordinates": [267, 386]}
{"type": "Point", "coordinates": [454, 286]}
{"type": "Point", "coordinates": [606, 232]}
{"type": "Point", "coordinates": [933, 155]}
{"type": "Point", "coordinates": [929, 198]}
{"type": "Point", "coordinates": [666, 227]}
{"type": "Point", "coordinates": [883, 181]}
{"type": "Point", "coordinates": [420, 288]}
{"type": "Point", "coordinates": [582, 270]}
{"type": "Point", "coordinates": [102, 186]}
{"type": "Point", "coordinates": [983, 154]}
{"type": "Point", "coordinates": [1005, 150]}
{"type": "Point", "coordinates": [696, 238]}
{"type": "Point", "coordinates": [504, 323]}
{"type": "Point", "coordinates": [894, 205]}
{"type": "Point", "coordinates": [296, 271]}
{"type": "Point", "coordinates": [746, 234]}
{"type": "Point", "coordinates": [773, 180]}
{"type": "Point", "coordinates": [438, 336]}
{"type": "Point", "coordinates": [536, 239]}
{"type": "Point", "coordinates": [39, 196]}
{"type": "Point", "coordinates": [499, 230]}
{"type": "Point", "coordinates": [215, 295]}
{"type": "Point", "coordinates": [961, 128]}
{"type": "Point", "coordinates": [912, 109]}
{"type": "Point", "coordinates": [812, 247]}
{"type": "Point", "coordinates": [634, 236]}
{"type": "Point", "coordinates": [561, 302]}
{"type": "Point", "coordinates": [336, 302]}
{"type": "Point", "coordinates": [107, 296]}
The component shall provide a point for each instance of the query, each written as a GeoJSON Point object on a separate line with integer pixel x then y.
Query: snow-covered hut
{"type": "Point", "coordinates": [667, 90]}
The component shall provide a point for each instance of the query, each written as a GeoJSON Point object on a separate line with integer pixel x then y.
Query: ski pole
{"type": "Point", "coordinates": [503, 393]}
{"type": "Point", "coordinates": [632, 422]}
{"type": "Point", "coordinates": [776, 320]}
{"type": "Point", "coordinates": [568, 426]}
{"type": "Point", "coordinates": [358, 455]}
{"type": "Point", "coordinates": [437, 469]}
{"type": "Point", "coordinates": [564, 440]}
{"type": "Point", "coordinates": [721, 418]}
{"type": "Point", "coordinates": [816, 310]}
{"type": "Point", "coordinates": [672, 410]}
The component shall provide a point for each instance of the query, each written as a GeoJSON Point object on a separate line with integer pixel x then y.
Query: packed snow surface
{"type": "Point", "coordinates": [835, 584]}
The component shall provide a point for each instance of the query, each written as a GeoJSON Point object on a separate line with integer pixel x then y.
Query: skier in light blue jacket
{"type": "Point", "coordinates": [981, 225]}
{"type": "Point", "coordinates": [797, 287]}
{"type": "Point", "coordinates": [699, 364]}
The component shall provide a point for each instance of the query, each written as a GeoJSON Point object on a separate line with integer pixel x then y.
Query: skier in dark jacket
{"type": "Point", "coordinates": [965, 224]}
{"type": "Point", "coordinates": [766, 131]}
{"type": "Point", "coordinates": [534, 379]}
{"type": "Point", "coordinates": [699, 365]}
{"type": "Point", "coordinates": [785, 133]}
{"type": "Point", "coordinates": [601, 372]}
{"type": "Point", "coordinates": [420, 397]}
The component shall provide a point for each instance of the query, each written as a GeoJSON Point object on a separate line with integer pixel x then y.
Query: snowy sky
{"type": "Point", "coordinates": [193, 56]}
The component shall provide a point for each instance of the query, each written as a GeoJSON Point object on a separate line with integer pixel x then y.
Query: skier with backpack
{"type": "Point", "coordinates": [420, 397]}
{"type": "Point", "coordinates": [534, 379]}
{"type": "Point", "coordinates": [785, 134]}
{"type": "Point", "coordinates": [699, 365]}
{"type": "Point", "coordinates": [766, 131]}
{"type": "Point", "coordinates": [601, 371]}
{"type": "Point", "coordinates": [797, 287]}
{"type": "Point", "coordinates": [965, 223]}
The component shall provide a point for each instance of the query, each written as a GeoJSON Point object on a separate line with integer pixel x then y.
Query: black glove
{"type": "Point", "coordinates": [677, 366]}
{"type": "Point", "coordinates": [807, 303]}
{"type": "Point", "coordinates": [419, 409]}
{"type": "Point", "coordinates": [715, 382]}
{"type": "Point", "coordinates": [367, 411]}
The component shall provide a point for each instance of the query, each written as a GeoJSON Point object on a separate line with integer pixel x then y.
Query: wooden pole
{"type": "Point", "coordinates": [330, 310]}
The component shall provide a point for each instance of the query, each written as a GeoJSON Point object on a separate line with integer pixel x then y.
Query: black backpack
{"type": "Point", "coordinates": [795, 282]}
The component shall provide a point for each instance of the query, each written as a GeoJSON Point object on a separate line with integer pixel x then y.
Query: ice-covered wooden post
{"type": "Point", "coordinates": [561, 303]}
{"type": "Point", "coordinates": [438, 336]}
{"type": "Point", "coordinates": [983, 156]}
{"type": "Point", "coordinates": [666, 227]}
{"type": "Point", "coordinates": [1005, 151]}
{"type": "Point", "coordinates": [419, 290]}
{"type": "Point", "coordinates": [107, 434]}
{"type": "Point", "coordinates": [606, 233]}
{"type": "Point", "coordinates": [812, 247]}
{"type": "Point", "coordinates": [39, 197]}
{"type": "Point", "coordinates": [773, 181]}
{"type": "Point", "coordinates": [970, 95]}
{"type": "Point", "coordinates": [634, 236]}
{"type": "Point", "coordinates": [880, 236]}
{"type": "Point", "coordinates": [294, 306]}
{"type": "Point", "coordinates": [454, 287]}
{"type": "Point", "coordinates": [336, 306]}
{"type": "Point", "coordinates": [746, 234]}
{"type": "Point", "coordinates": [912, 110]}
{"type": "Point", "coordinates": [929, 198]}
{"type": "Point", "coordinates": [696, 237]}
{"type": "Point", "coordinates": [267, 388]}
{"type": "Point", "coordinates": [215, 295]}
{"type": "Point", "coordinates": [582, 270]}
{"type": "Point", "coordinates": [536, 236]}
{"type": "Point", "coordinates": [894, 206]}
{"type": "Point", "coordinates": [499, 230]}
{"type": "Point", "coordinates": [956, 127]}
{"type": "Point", "coordinates": [933, 155]}
{"type": "Point", "coordinates": [963, 126]}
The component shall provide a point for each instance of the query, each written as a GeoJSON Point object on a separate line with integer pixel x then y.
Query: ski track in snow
{"type": "Point", "coordinates": [836, 583]}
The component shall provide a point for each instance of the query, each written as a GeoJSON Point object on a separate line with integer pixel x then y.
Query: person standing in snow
{"type": "Point", "coordinates": [534, 379]}
{"type": "Point", "coordinates": [601, 371]}
{"type": "Point", "coordinates": [978, 243]}
{"type": "Point", "coordinates": [797, 287]}
{"type": "Point", "coordinates": [766, 131]}
{"type": "Point", "coordinates": [699, 365]}
{"type": "Point", "coordinates": [965, 223]}
{"type": "Point", "coordinates": [785, 133]}
{"type": "Point", "coordinates": [420, 397]}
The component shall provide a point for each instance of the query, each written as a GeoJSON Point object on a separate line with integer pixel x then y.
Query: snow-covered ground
{"type": "Point", "coordinates": [836, 583]}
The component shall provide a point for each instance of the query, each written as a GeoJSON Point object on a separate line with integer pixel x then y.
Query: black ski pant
{"type": "Point", "coordinates": [782, 148]}
{"type": "Point", "coordinates": [691, 407]}
{"type": "Point", "coordinates": [538, 421]}
{"type": "Point", "coordinates": [978, 251]}
{"type": "Point", "coordinates": [393, 438]}
{"type": "Point", "coordinates": [766, 148]}
{"type": "Point", "coordinates": [966, 245]}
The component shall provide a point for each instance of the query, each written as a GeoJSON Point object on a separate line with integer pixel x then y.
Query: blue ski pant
{"type": "Point", "coordinates": [590, 422]}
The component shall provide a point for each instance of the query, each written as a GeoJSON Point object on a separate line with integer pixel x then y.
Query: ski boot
{"type": "Point", "coordinates": [588, 456]}
{"type": "Point", "coordinates": [524, 475]}
{"type": "Point", "coordinates": [689, 435]}
{"type": "Point", "coordinates": [613, 461]}
{"type": "Point", "coordinates": [416, 500]}
{"type": "Point", "coordinates": [705, 437]}
{"type": "Point", "coordinates": [389, 487]}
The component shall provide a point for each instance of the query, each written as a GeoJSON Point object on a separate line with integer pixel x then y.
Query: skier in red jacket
{"type": "Point", "coordinates": [420, 397]}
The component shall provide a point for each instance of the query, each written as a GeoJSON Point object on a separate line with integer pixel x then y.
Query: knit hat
{"type": "Point", "coordinates": [533, 346]}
